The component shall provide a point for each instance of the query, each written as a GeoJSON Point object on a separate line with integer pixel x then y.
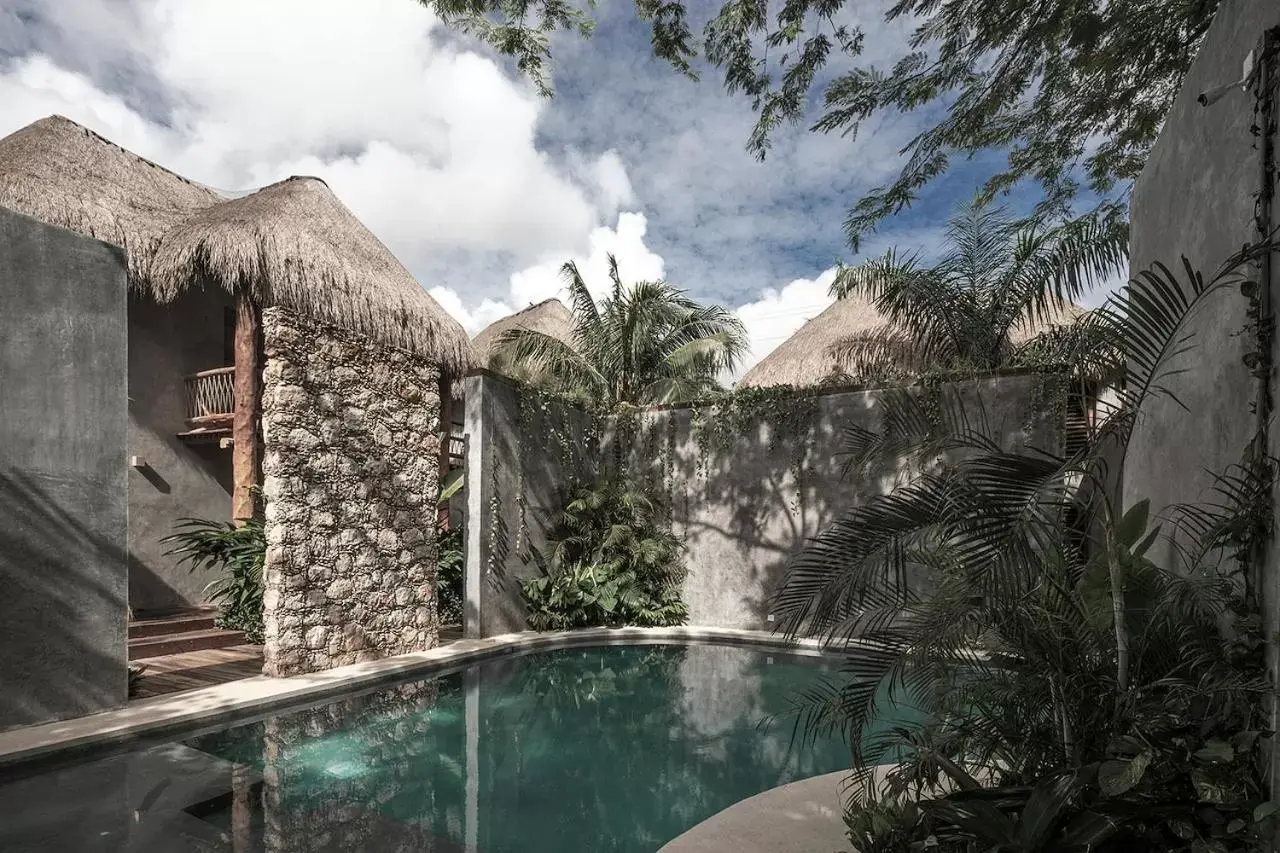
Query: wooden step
{"type": "Point", "coordinates": [188, 641]}
{"type": "Point", "coordinates": [181, 624]}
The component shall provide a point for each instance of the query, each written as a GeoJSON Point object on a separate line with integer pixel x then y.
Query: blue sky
{"type": "Point", "coordinates": [479, 186]}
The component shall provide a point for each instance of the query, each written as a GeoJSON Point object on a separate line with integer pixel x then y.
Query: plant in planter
{"type": "Point", "coordinates": [611, 561]}
{"type": "Point", "coordinates": [238, 552]}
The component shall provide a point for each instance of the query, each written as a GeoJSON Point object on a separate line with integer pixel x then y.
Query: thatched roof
{"type": "Point", "coordinates": [809, 356]}
{"type": "Point", "coordinates": [813, 355]}
{"type": "Point", "coordinates": [64, 174]}
{"type": "Point", "coordinates": [292, 244]}
{"type": "Point", "coordinates": [550, 317]}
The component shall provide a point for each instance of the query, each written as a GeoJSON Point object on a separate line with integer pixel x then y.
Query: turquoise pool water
{"type": "Point", "coordinates": [601, 749]}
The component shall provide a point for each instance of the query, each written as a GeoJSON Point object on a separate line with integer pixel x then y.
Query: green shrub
{"type": "Point", "coordinates": [611, 561]}
{"type": "Point", "coordinates": [238, 552]}
{"type": "Point", "coordinates": [449, 569]}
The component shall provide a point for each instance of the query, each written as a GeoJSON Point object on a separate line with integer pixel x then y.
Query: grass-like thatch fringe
{"type": "Point", "coordinates": [817, 352]}
{"type": "Point", "coordinates": [549, 317]}
{"type": "Point", "coordinates": [291, 244]}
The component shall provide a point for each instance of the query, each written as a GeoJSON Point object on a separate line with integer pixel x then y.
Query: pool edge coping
{"type": "Point", "coordinates": [260, 694]}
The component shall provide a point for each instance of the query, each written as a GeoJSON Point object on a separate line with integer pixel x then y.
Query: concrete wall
{"type": "Point", "coordinates": [535, 451]}
{"type": "Point", "coordinates": [1196, 198]}
{"type": "Point", "coordinates": [737, 502]}
{"type": "Point", "coordinates": [745, 502]}
{"type": "Point", "coordinates": [351, 465]}
{"type": "Point", "coordinates": [182, 479]}
{"type": "Point", "coordinates": [63, 426]}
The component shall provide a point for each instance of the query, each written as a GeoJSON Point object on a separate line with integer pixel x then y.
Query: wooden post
{"type": "Point", "coordinates": [446, 429]}
{"type": "Point", "coordinates": [246, 461]}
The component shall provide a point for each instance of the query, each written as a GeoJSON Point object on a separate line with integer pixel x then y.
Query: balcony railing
{"type": "Point", "coordinates": [211, 397]}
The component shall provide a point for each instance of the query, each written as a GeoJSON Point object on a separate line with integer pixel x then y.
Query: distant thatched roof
{"type": "Point", "coordinates": [809, 357]}
{"type": "Point", "coordinates": [295, 244]}
{"type": "Point", "coordinates": [292, 244]}
{"type": "Point", "coordinates": [814, 355]}
{"type": "Point", "coordinates": [64, 174]}
{"type": "Point", "coordinates": [549, 317]}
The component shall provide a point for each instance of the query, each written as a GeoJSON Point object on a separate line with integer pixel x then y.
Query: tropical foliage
{"type": "Point", "coordinates": [1082, 694]}
{"type": "Point", "coordinates": [644, 343]}
{"type": "Point", "coordinates": [450, 560]}
{"type": "Point", "coordinates": [237, 552]}
{"type": "Point", "coordinates": [998, 280]}
{"type": "Point", "coordinates": [450, 555]}
{"type": "Point", "coordinates": [1072, 89]}
{"type": "Point", "coordinates": [610, 561]}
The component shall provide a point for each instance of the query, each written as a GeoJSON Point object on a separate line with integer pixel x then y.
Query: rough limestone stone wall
{"type": "Point", "coordinates": [350, 475]}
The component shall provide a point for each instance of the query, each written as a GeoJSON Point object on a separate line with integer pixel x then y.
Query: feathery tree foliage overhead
{"type": "Point", "coordinates": [975, 308]}
{"type": "Point", "coordinates": [1074, 90]}
{"type": "Point", "coordinates": [643, 344]}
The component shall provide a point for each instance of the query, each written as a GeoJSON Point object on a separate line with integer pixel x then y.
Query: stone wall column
{"type": "Point", "coordinates": [351, 467]}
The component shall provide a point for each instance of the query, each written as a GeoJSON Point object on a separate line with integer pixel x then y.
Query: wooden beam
{"type": "Point", "coordinates": [446, 428]}
{"type": "Point", "coordinates": [246, 450]}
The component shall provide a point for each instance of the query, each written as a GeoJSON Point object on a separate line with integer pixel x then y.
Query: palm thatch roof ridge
{"type": "Point", "coordinates": [810, 356]}
{"type": "Point", "coordinates": [62, 173]}
{"type": "Point", "coordinates": [549, 316]}
{"type": "Point", "coordinates": [814, 355]}
{"type": "Point", "coordinates": [295, 244]}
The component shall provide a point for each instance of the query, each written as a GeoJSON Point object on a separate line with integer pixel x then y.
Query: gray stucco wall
{"type": "Point", "coordinates": [63, 434]}
{"type": "Point", "coordinates": [742, 511]}
{"type": "Point", "coordinates": [736, 502]}
{"type": "Point", "coordinates": [500, 466]}
{"type": "Point", "coordinates": [166, 344]}
{"type": "Point", "coordinates": [1195, 198]}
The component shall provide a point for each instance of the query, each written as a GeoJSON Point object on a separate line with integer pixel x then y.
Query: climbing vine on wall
{"type": "Point", "coordinates": [786, 415]}
{"type": "Point", "coordinates": [1048, 399]}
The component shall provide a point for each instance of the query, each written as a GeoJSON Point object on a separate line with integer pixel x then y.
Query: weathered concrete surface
{"type": "Point", "coordinates": [743, 505]}
{"type": "Point", "coordinates": [63, 429]}
{"type": "Point", "coordinates": [181, 479]}
{"type": "Point", "coordinates": [743, 498]}
{"type": "Point", "coordinates": [801, 817]}
{"type": "Point", "coordinates": [501, 466]}
{"type": "Point", "coordinates": [1195, 198]}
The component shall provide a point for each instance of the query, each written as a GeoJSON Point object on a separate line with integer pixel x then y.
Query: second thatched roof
{"type": "Point", "coordinates": [550, 317]}
{"type": "Point", "coordinates": [814, 355]}
{"type": "Point", "coordinates": [292, 244]}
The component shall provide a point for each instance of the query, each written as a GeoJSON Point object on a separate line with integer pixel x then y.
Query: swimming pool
{"type": "Point", "coordinates": [617, 748]}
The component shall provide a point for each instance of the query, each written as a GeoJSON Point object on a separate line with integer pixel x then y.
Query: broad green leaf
{"type": "Point", "coordinates": [1215, 752]}
{"type": "Point", "coordinates": [1049, 801]}
{"type": "Point", "coordinates": [1119, 775]}
{"type": "Point", "coordinates": [1131, 525]}
{"type": "Point", "coordinates": [1264, 810]}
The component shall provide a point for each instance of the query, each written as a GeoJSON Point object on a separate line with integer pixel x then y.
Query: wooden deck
{"type": "Point", "coordinates": [193, 670]}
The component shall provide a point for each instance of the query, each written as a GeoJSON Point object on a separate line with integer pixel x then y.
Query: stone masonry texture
{"type": "Point", "coordinates": [350, 474]}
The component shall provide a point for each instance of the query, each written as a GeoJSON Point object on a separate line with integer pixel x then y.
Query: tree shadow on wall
{"type": "Point", "coordinates": [63, 568]}
{"type": "Point", "coordinates": [755, 501]}
{"type": "Point", "coordinates": [748, 504]}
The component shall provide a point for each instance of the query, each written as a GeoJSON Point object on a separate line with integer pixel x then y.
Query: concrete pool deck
{"type": "Point", "coordinates": [805, 816]}
{"type": "Point", "coordinates": [235, 701]}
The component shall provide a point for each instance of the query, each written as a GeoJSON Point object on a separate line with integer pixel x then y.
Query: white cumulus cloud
{"type": "Point", "coordinates": [432, 146]}
{"type": "Point", "coordinates": [779, 313]}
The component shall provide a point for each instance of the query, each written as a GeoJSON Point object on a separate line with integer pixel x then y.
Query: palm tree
{"type": "Point", "coordinates": [973, 591]}
{"type": "Point", "coordinates": [643, 344]}
{"type": "Point", "coordinates": [999, 280]}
